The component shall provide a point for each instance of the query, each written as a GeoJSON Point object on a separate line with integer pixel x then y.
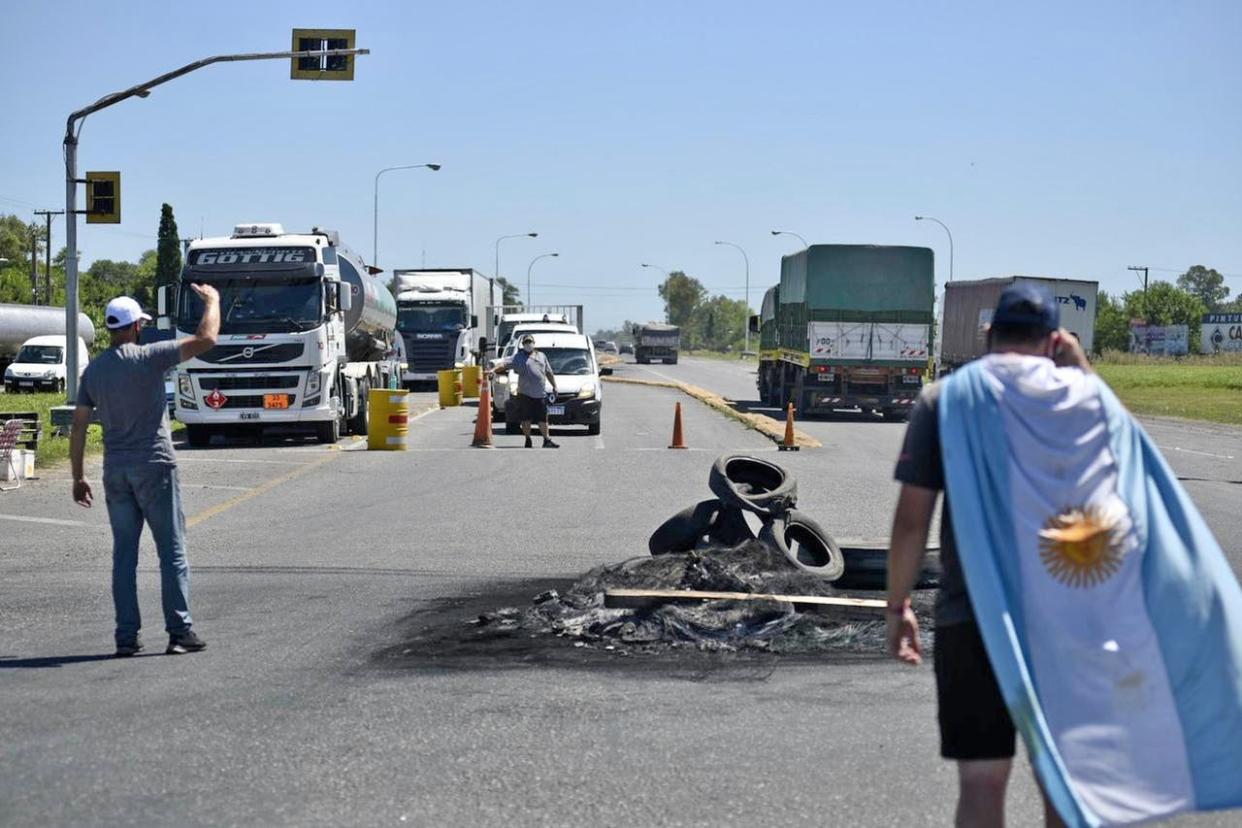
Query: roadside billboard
{"type": "Point", "coordinates": [1160, 340]}
{"type": "Point", "coordinates": [1221, 333]}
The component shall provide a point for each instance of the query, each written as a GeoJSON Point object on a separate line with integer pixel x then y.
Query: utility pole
{"type": "Point", "coordinates": [34, 263]}
{"type": "Point", "coordinates": [1136, 269]}
{"type": "Point", "coordinates": [47, 270]}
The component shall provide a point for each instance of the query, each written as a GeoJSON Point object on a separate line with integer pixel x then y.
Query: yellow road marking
{"type": "Point", "coordinates": [302, 469]}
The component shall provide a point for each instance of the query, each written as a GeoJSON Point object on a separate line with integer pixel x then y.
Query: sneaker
{"type": "Point", "coordinates": [529, 444]}
{"type": "Point", "coordinates": [129, 648]}
{"type": "Point", "coordinates": [550, 444]}
{"type": "Point", "coordinates": [186, 642]}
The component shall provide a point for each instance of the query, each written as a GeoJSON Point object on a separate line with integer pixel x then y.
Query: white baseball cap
{"type": "Point", "coordinates": [122, 312]}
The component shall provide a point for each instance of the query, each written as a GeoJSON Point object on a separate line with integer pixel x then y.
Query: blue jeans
{"type": "Point", "coordinates": [147, 492]}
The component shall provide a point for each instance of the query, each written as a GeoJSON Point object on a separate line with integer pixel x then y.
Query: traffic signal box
{"type": "Point", "coordinates": [103, 198]}
{"type": "Point", "coordinates": [332, 67]}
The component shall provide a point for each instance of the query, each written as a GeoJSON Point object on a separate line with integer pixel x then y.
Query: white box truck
{"type": "Point", "coordinates": [442, 314]}
{"type": "Point", "coordinates": [305, 331]}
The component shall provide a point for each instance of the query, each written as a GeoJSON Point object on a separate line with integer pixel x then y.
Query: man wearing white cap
{"type": "Point", "coordinates": [125, 385]}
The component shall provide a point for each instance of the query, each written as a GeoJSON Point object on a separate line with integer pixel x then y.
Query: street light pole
{"type": "Point", "coordinates": [73, 127]}
{"type": "Point", "coordinates": [375, 217]}
{"type": "Point", "coordinates": [745, 347]}
{"type": "Point", "coordinates": [528, 269]}
{"type": "Point", "coordinates": [946, 230]}
{"type": "Point", "coordinates": [790, 233]}
{"type": "Point", "coordinates": [510, 236]}
{"type": "Point", "coordinates": [657, 267]}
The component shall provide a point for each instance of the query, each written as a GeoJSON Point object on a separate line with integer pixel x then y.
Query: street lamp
{"type": "Point", "coordinates": [745, 347]}
{"type": "Point", "coordinates": [375, 217]}
{"type": "Point", "coordinates": [657, 267]}
{"type": "Point", "coordinates": [946, 230]}
{"type": "Point", "coordinates": [790, 233]}
{"type": "Point", "coordinates": [531, 265]}
{"type": "Point", "coordinates": [502, 238]}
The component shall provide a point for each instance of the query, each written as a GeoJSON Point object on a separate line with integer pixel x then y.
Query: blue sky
{"type": "Point", "coordinates": [1068, 139]}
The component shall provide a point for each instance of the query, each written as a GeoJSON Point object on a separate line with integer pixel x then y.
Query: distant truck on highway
{"type": "Point", "coordinates": [442, 315]}
{"type": "Point", "coordinates": [305, 331]}
{"type": "Point", "coordinates": [656, 341]}
{"type": "Point", "coordinates": [968, 307]}
{"type": "Point", "coordinates": [847, 327]}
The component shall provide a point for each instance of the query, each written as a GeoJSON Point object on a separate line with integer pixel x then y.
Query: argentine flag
{"type": "Point", "coordinates": [1111, 617]}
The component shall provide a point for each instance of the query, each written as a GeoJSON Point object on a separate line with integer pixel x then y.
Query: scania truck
{"type": "Point", "coordinates": [442, 314]}
{"type": "Point", "coordinates": [848, 327]}
{"type": "Point", "coordinates": [306, 329]}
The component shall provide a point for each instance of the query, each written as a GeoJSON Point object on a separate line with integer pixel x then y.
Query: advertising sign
{"type": "Point", "coordinates": [1160, 340]}
{"type": "Point", "coordinates": [1221, 333]}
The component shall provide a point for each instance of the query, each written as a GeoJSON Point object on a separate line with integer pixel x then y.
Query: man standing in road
{"type": "Point", "coordinates": [975, 726]}
{"type": "Point", "coordinates": [536, 383]}
{"type": "Point", "coordinates": [125, 385]}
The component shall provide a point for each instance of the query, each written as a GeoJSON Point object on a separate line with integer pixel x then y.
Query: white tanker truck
{"type": "Point", "coordinates": [19, 323]}
{"type": "Point", "coordinates": [305, 331]}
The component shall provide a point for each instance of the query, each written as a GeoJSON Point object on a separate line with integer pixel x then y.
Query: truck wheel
{"type": "Point", "coordinates": [329, 432]}
{"type": "Point", "coordinates": [753, 484]}
{"type": "Point", "coordinates": [805, 544]}
{"type": "Point", "coordinates": [197, 435]}
{"type": "Point", "coordinates": [708, 519]}
{"type": "Point", "coordinates": [358, 425]}
{"type": "Point", "coordinates": [866, 567]}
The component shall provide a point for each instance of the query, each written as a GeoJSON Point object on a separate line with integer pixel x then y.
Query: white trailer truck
{"type": "Point", "coordinates": [305, 331]}
{"type": "Point", "coordinates": [442, 314]}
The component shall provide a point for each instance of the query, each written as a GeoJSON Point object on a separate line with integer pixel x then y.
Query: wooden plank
{"type": "Point", "coordinates": [646, 598]}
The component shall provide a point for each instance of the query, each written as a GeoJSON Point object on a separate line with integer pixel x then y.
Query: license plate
{"type": "Point", "coordinates": [556, 411]}
{"type": "Point", "coordinates": [827, 377]}
{"type": "Point", "coordinates": [26, 384]}
{"type": "Point", "coordinates": [912, 379]}
{"type": "Point", "coordinates": [249, 415]}
{"type": "Point", "coordinates": [275, 400]}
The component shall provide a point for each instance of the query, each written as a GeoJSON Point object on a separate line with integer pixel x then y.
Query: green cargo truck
{"type": "Point", "coordinates": [847, 327]}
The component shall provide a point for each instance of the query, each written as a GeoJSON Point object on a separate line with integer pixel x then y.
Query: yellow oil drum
{"type": "Point", "coordinates": [388, 419]}
{"type": "Point", "coordinates": [450, 387]}
{"type": "Point", "coordinates": [471, 377]}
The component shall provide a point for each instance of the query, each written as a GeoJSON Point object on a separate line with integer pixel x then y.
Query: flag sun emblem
{"type": "Point", "coordinates": [1082, 547]}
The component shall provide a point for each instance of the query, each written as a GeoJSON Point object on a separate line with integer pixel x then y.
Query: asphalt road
{"type": "Point", "coordinates": [312, 564]}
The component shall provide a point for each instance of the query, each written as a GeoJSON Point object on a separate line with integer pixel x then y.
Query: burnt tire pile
{"type": "Point", "coordinates": [745, 484]}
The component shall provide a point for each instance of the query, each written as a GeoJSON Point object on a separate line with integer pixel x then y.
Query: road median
{"type": "Point", "coordinates": [766, 426]}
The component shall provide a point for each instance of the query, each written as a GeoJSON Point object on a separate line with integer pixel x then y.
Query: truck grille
{"type": "Point", "coordinates": [207, 383]}
{"type": "Point", "coordinates": [428, 355]}
{"type": "Point", "coordinates": [251, 401]}
{"type": "Point", "coordinates": [259, 353]}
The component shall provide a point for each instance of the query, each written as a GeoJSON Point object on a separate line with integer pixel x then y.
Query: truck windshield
{"type": "Point", "coordinates": [40, 355]}
{"type": "Point", "coordinates": [414, 317]}
{"type": "Point", "coordinates": [251, 306]}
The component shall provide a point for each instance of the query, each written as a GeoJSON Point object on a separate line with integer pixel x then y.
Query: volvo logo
{"type": "Point", "coordinates": [247, 352]}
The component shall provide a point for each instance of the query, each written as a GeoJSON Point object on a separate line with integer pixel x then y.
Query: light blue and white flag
{"type": "Point", "coordinates": [1110, 615]}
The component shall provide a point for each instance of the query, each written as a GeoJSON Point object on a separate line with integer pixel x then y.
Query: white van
{"type": "Point", "coordinates": [580, 394]}
{"type": "Point", "coordinates": [40, 365]}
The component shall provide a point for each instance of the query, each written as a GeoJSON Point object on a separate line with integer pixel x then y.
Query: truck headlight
{"type": "Point", "coordinates": [50, 373]}
{"type": "Point", "coordinates": [185, 387]}
{"type": "Point", "coordinates": [587, 391]}
{"type": "Point", "coordinates": [312, 382]}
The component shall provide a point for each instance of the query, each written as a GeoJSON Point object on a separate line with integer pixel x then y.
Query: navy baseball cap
{"type": "Point", "coordinates": [1027, 305]}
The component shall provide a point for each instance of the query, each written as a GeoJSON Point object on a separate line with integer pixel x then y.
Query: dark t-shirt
{"type": "Point", "coordinates": [920, 465]}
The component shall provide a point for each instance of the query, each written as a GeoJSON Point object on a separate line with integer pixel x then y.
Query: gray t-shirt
{"type": "Point", "coordinates": [532, 370]}
{"type": "Point", "coordinates": [920, 464]}
{"type": "Point", "coordinates": [125, 385]}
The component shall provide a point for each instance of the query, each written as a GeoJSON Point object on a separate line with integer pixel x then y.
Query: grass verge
{"type": "Point", "coordinates": [1190, 389]}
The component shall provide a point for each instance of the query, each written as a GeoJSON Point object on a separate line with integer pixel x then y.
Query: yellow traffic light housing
{"type": "Point", "coordinates": [329, 67]}
{"type": "Point", "coordinates": [103, 198]}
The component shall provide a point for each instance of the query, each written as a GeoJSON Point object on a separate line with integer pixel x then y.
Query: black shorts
{"type": "Point", "coordinates": [974, 722]}
{"type": "Point", "coordinates": [529, 409]}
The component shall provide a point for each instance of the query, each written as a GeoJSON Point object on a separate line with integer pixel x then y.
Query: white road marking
{"type": "Point", "coordinates": [599, 443]}
{"type": "Point", "coordinates": [216, 486]}
{"type": "Point", "coordinates": [231, 460]}
{"type": "Point", "coordinates": [1204, 453]}
{"type": "Point", "coordinates": [51, 521]}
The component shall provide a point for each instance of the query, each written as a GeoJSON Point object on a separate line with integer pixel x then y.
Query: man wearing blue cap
{"type": "Point", "coordinates": [975, 726]}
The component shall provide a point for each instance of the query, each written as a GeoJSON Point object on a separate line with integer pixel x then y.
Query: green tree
{"type": "Point", "coordinates": [1205, 283]}
{"type": "Point", "coordinates": [510, 295]}
{"type": "Point", "coordinates": [1166, 304]}
{"type": "Point", "coordinates": [721, 322]}
{"type": "Point", "coordinates": [168, 254]}
{"type": "Point", "coordinates": [682, 296]}
{"type": "Point", "coordinates": [1112, 325]}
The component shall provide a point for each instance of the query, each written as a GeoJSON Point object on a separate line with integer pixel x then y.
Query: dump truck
{"type": "Point", "coordinates": [968, 307]}
{"type": "Point", "coordinates": [847, 327]}
{"type": "Point", "coordinates": [306, 330]}
{"type": "Point", "coordinates": [442, 316]}
{"type": "Point", "coordinates": [656, 341]}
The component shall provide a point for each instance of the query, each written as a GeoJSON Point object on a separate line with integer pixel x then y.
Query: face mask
{"type": "Point", "coordinates": [528, 347]}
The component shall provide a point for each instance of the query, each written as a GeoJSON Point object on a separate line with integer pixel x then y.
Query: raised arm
{"type": "Point", "coordinates": [204, 338]}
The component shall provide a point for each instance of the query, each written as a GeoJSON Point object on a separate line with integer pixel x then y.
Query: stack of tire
{"type": "Point", "coordinates": [748, 484]}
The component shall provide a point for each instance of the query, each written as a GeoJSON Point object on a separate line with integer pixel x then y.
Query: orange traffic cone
{"type": "Point", "coordinates": [789, 444]}
{"type": "Point", "coordinates": [483, 422]}
{"type": "Point", "coordinates": [679, 442]}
